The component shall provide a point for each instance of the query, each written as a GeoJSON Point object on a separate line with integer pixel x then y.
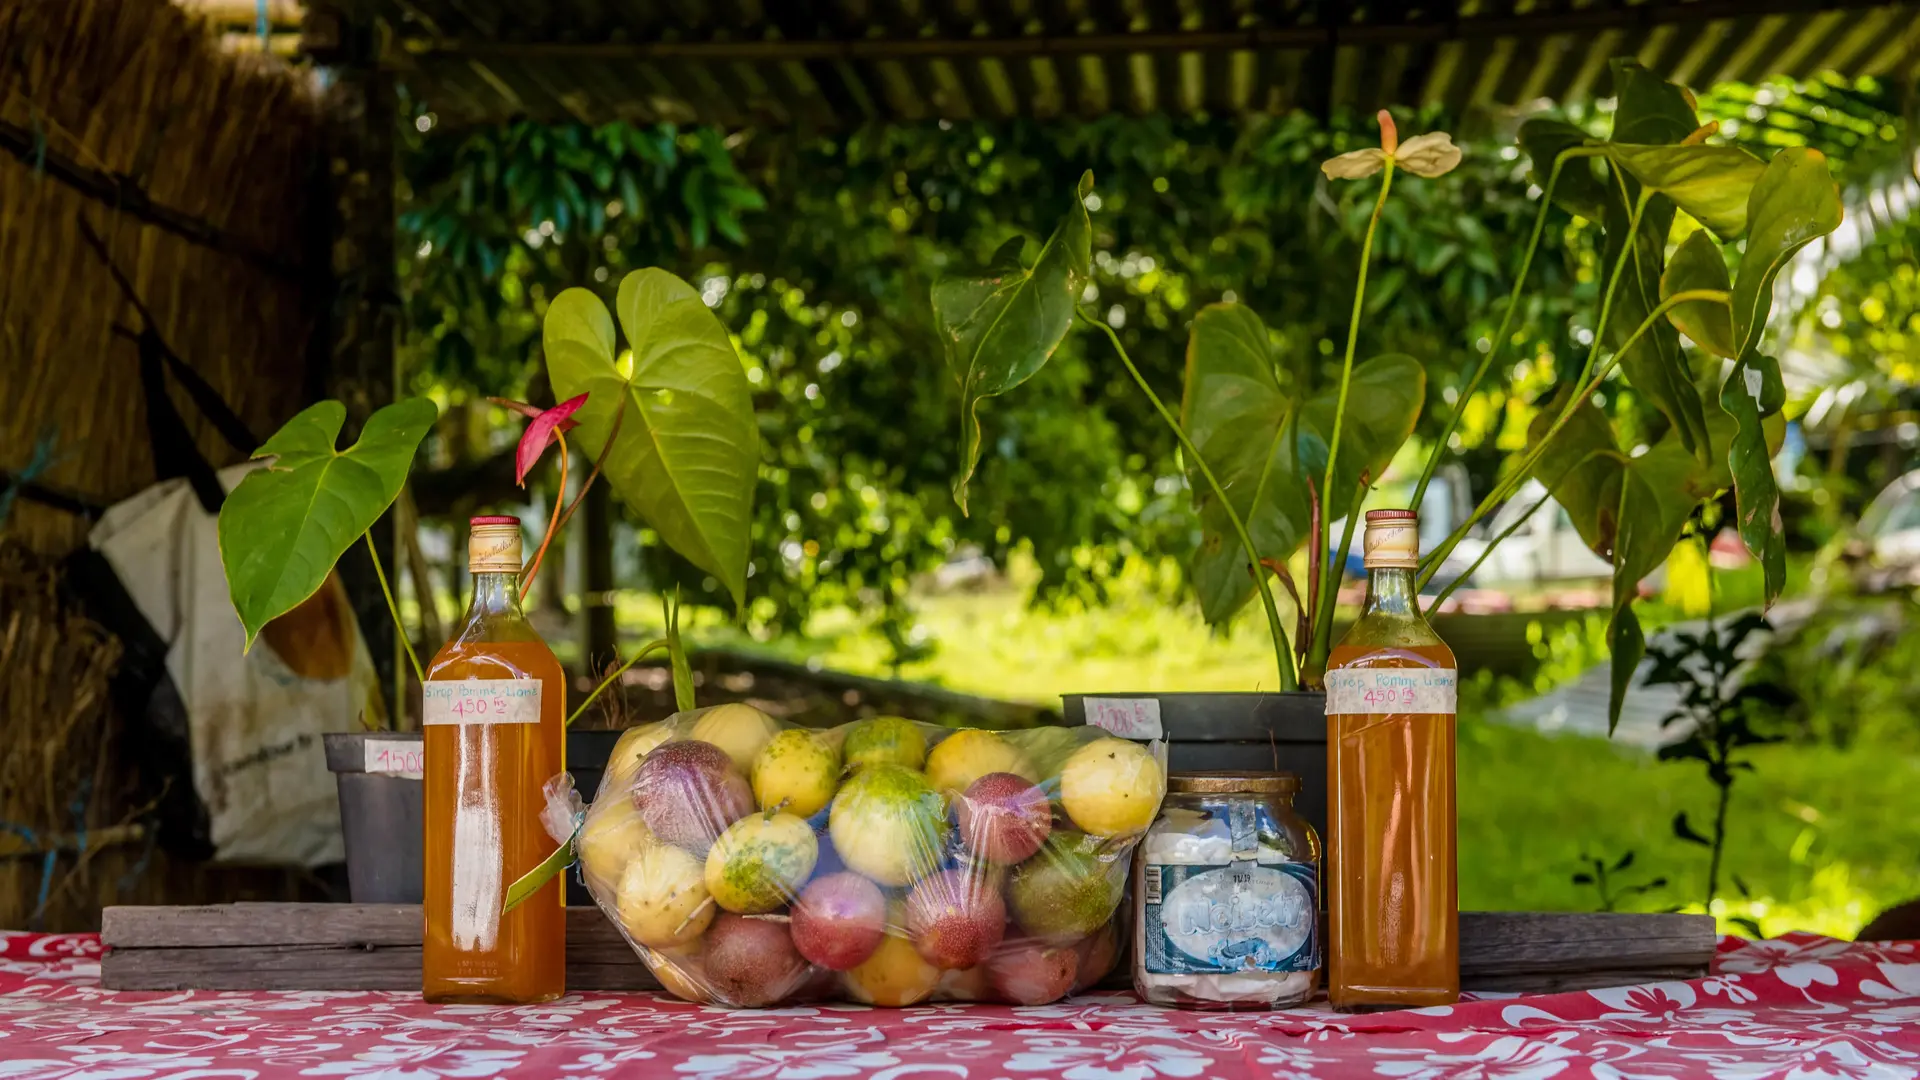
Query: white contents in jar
{"type": "Point", "coordinates": [1255, 909]}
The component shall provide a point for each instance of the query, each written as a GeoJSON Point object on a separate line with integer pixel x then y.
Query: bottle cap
{"type": "Point", "coordinates": [1233, 782]}
{"type": "Point", "coordinates": [1392, 539]}
{"type": "Point", "coordinates": [493, 545]}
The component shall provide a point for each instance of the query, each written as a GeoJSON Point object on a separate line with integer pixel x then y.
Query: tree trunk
{"type": "Point", "coordinates": [600, 640]}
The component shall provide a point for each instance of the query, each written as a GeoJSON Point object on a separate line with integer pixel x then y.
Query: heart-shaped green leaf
{"type": "Point", "coordinates": [1696, 265]}
{"type": "Point", "coordinates": [1264, 440]}
{"type": "Point", "coordinates": [1655, 365]}
{"type": "Point", "coordinates": [285, 526]}
{"type": "Point", "coordinates": [1711, 183]}
{"type": "Point", "coordinates": [1648, 109]}
{"type": "Point", "coordinates": [1000, 327]}
{"type": "Point", "coordinates": [1629, 510]}
{"type": "Point", "coordinates": [687, 454]}
{"type": "Point", "coordinates": [1580, 189]}
{"type": "Point", "coordinates": [1793, 203]}
{"type": "Point", "coordinates": [1752, 394]}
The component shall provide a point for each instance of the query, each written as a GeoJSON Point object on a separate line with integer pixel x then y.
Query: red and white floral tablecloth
{"type": "Point", "coordinates": [1800, 1006]}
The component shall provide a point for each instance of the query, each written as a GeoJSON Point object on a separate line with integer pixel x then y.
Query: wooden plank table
{"type": "Point", "coordinates": [377, 947]}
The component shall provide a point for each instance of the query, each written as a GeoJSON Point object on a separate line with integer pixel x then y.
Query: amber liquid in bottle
{"type": "Point", "coordinates": [490, 749]}
{"type": "Point", "coordinates": [1393, 909]}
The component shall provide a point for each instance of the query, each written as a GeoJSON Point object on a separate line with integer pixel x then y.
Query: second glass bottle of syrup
{"type": "Point", "coordinates": [1393, 909]}
{"type": "Point", "coordinates": [495, 733]}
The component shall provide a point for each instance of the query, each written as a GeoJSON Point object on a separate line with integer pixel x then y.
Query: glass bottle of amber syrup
{"type": "Point", "coordinates": [495, 733]}
{"type": "Point", "coordinates": [1393, 909]}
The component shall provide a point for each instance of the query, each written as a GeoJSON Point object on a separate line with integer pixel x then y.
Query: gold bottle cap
{"type": "Point", "coordinates": [493, 547]}
{"type": "Point", "coordinates": [1392, 539]}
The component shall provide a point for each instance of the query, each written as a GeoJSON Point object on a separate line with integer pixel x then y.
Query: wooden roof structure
{"type": "Point", "coordinates": [823, 64]}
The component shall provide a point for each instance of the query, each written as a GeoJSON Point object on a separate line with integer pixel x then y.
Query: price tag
{"type": "Point", "coordinates": [481, 701]}
{"type": "Point", "coordinates": [405, 758]}
{"type": "Point", "coordinates": [1129, 718]}
{"type": "Point", "coordinates": [1374, 691]}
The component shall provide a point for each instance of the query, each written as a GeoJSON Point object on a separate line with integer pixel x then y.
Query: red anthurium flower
{"type": "Point", "coordinates": [541, 432]}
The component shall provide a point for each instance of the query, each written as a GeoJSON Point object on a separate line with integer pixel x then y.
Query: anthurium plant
{"type": "Point", "coordinates": [669, 425]}
{"type": "Point", "coordinates": [1274, 452]}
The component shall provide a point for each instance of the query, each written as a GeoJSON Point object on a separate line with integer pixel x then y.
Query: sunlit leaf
{"type": "Point", "coordinates": [286, 525]}
{"type": "Point", "coordinates": [1648, 109]}
{"type": "Point", "coordinates": [1750, 395]}
{"type": "Point", "coordinates": [1580, 190]}
{"type": "Point", "coordinates": [1794, 203]}
{"type": "Point", "coordinates": [1655, 365]}
{"type": "Point", "coordinates": [1697, 265]}
{"type": "Point", "coordinates": [1264, 439]}
{"type": "Point", "coordinates": [998, 329]}
{"type": "Point", "coordinates": [688, 452]}
{"type": "Point", "coordinates": [530, 883]}
{"type": "Point", "coordinates": [1711, 183]}
{"type": "Point", "coordinates": [1630, 510]}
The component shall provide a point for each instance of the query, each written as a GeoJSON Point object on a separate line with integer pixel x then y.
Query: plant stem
{"type": "Point", "coordinates": [1719, 840]}
{"type": "Point", "coordinates": [619, 416]}
{"type": "Point", "coordinates": [553, 520]}
{"type": "Point", "coordinates": [393, 609]}
{"type": "Point", "coordinates": [1331, 568]}
{"type": "Point", "coordinates": [1499, 336]}
{"type": "Point", "coordinates": [683, 698]}
{"type": "Point", "coordinates": [1315, 664]}
{"type": "Point", "coordinates": [1584, 386]}
{"type": "Point", "coordinates": [1488, 550]}
{"type": "Point", "coordinates": [1346, 367]}
{"type": "Point", "coordinates": [646, 650]}
{"type": "Point", "coordinates": [1283, 658]}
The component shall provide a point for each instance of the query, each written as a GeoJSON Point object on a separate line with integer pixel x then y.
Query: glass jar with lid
{"type": "Point", "coordinates": [1226, 895]}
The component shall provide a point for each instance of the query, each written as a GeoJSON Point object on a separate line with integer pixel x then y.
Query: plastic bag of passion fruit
{"type": "Point", "coordinates": [754, 863]}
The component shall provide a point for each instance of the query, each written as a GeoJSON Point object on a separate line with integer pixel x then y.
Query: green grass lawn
{"type": "Point", "coordinates": [1823, 838]}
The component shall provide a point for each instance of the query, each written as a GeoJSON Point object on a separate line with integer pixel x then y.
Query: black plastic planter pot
{"type": "Point", "coordinates": [381, 808]}
{"type": "Point", "coordinates": [1229, 731]}
{"type": "Point", "coordinates": [380, 813]}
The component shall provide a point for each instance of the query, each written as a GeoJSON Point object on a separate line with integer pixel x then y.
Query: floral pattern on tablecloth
{"type": "Point", "coordinates": [1798, 1007]}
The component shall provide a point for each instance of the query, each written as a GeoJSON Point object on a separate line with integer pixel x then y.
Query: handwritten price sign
{"type": "Point", "coordinates": [481, 701]}
{"type": "Point", "coordinates": [1386, 697]}
{"type": "Point", "coordinates": [1129, 718]}
{"type": "Point", "coordinates": [396, 757]}
{"type": "Point", "coordinates": [1363, 691]}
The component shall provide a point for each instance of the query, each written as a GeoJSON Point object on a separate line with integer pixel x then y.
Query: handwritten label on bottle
{"type": "Point", "coordinates": [1129, 718]}
{"type": "Point", "coordinates": [481, 701]}
{"type": "Point", "coordinates": [404, 758]}
{"type": "Point", "coordinates": [1360, 691]}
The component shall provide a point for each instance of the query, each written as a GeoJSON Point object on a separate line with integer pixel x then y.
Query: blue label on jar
{"type": "Point", "coordinates": [1247, 916]}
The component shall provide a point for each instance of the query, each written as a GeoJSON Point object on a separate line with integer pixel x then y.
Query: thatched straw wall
{"type": "Point", "coordinates": [125, 112]}
{"type": "Point", "coordinates": [198, 170]}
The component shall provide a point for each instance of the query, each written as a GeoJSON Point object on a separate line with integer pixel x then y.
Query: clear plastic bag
{"type": "Point", "coordinates": [752, 863]}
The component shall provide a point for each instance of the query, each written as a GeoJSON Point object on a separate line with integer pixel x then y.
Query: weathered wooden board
{"type": "Point", "coordinates": [317, 947]}
{"type": "Point", "coordinates": [377, 947]}
{"type": "Point", "coordinates": [1540, 952]}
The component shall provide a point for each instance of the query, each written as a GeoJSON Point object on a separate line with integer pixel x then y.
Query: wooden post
{"type": "Point", "coordinates": [362, 308]}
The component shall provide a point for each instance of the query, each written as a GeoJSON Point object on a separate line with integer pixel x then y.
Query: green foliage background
{"type": "Point", "coordinates": [819, 252]}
